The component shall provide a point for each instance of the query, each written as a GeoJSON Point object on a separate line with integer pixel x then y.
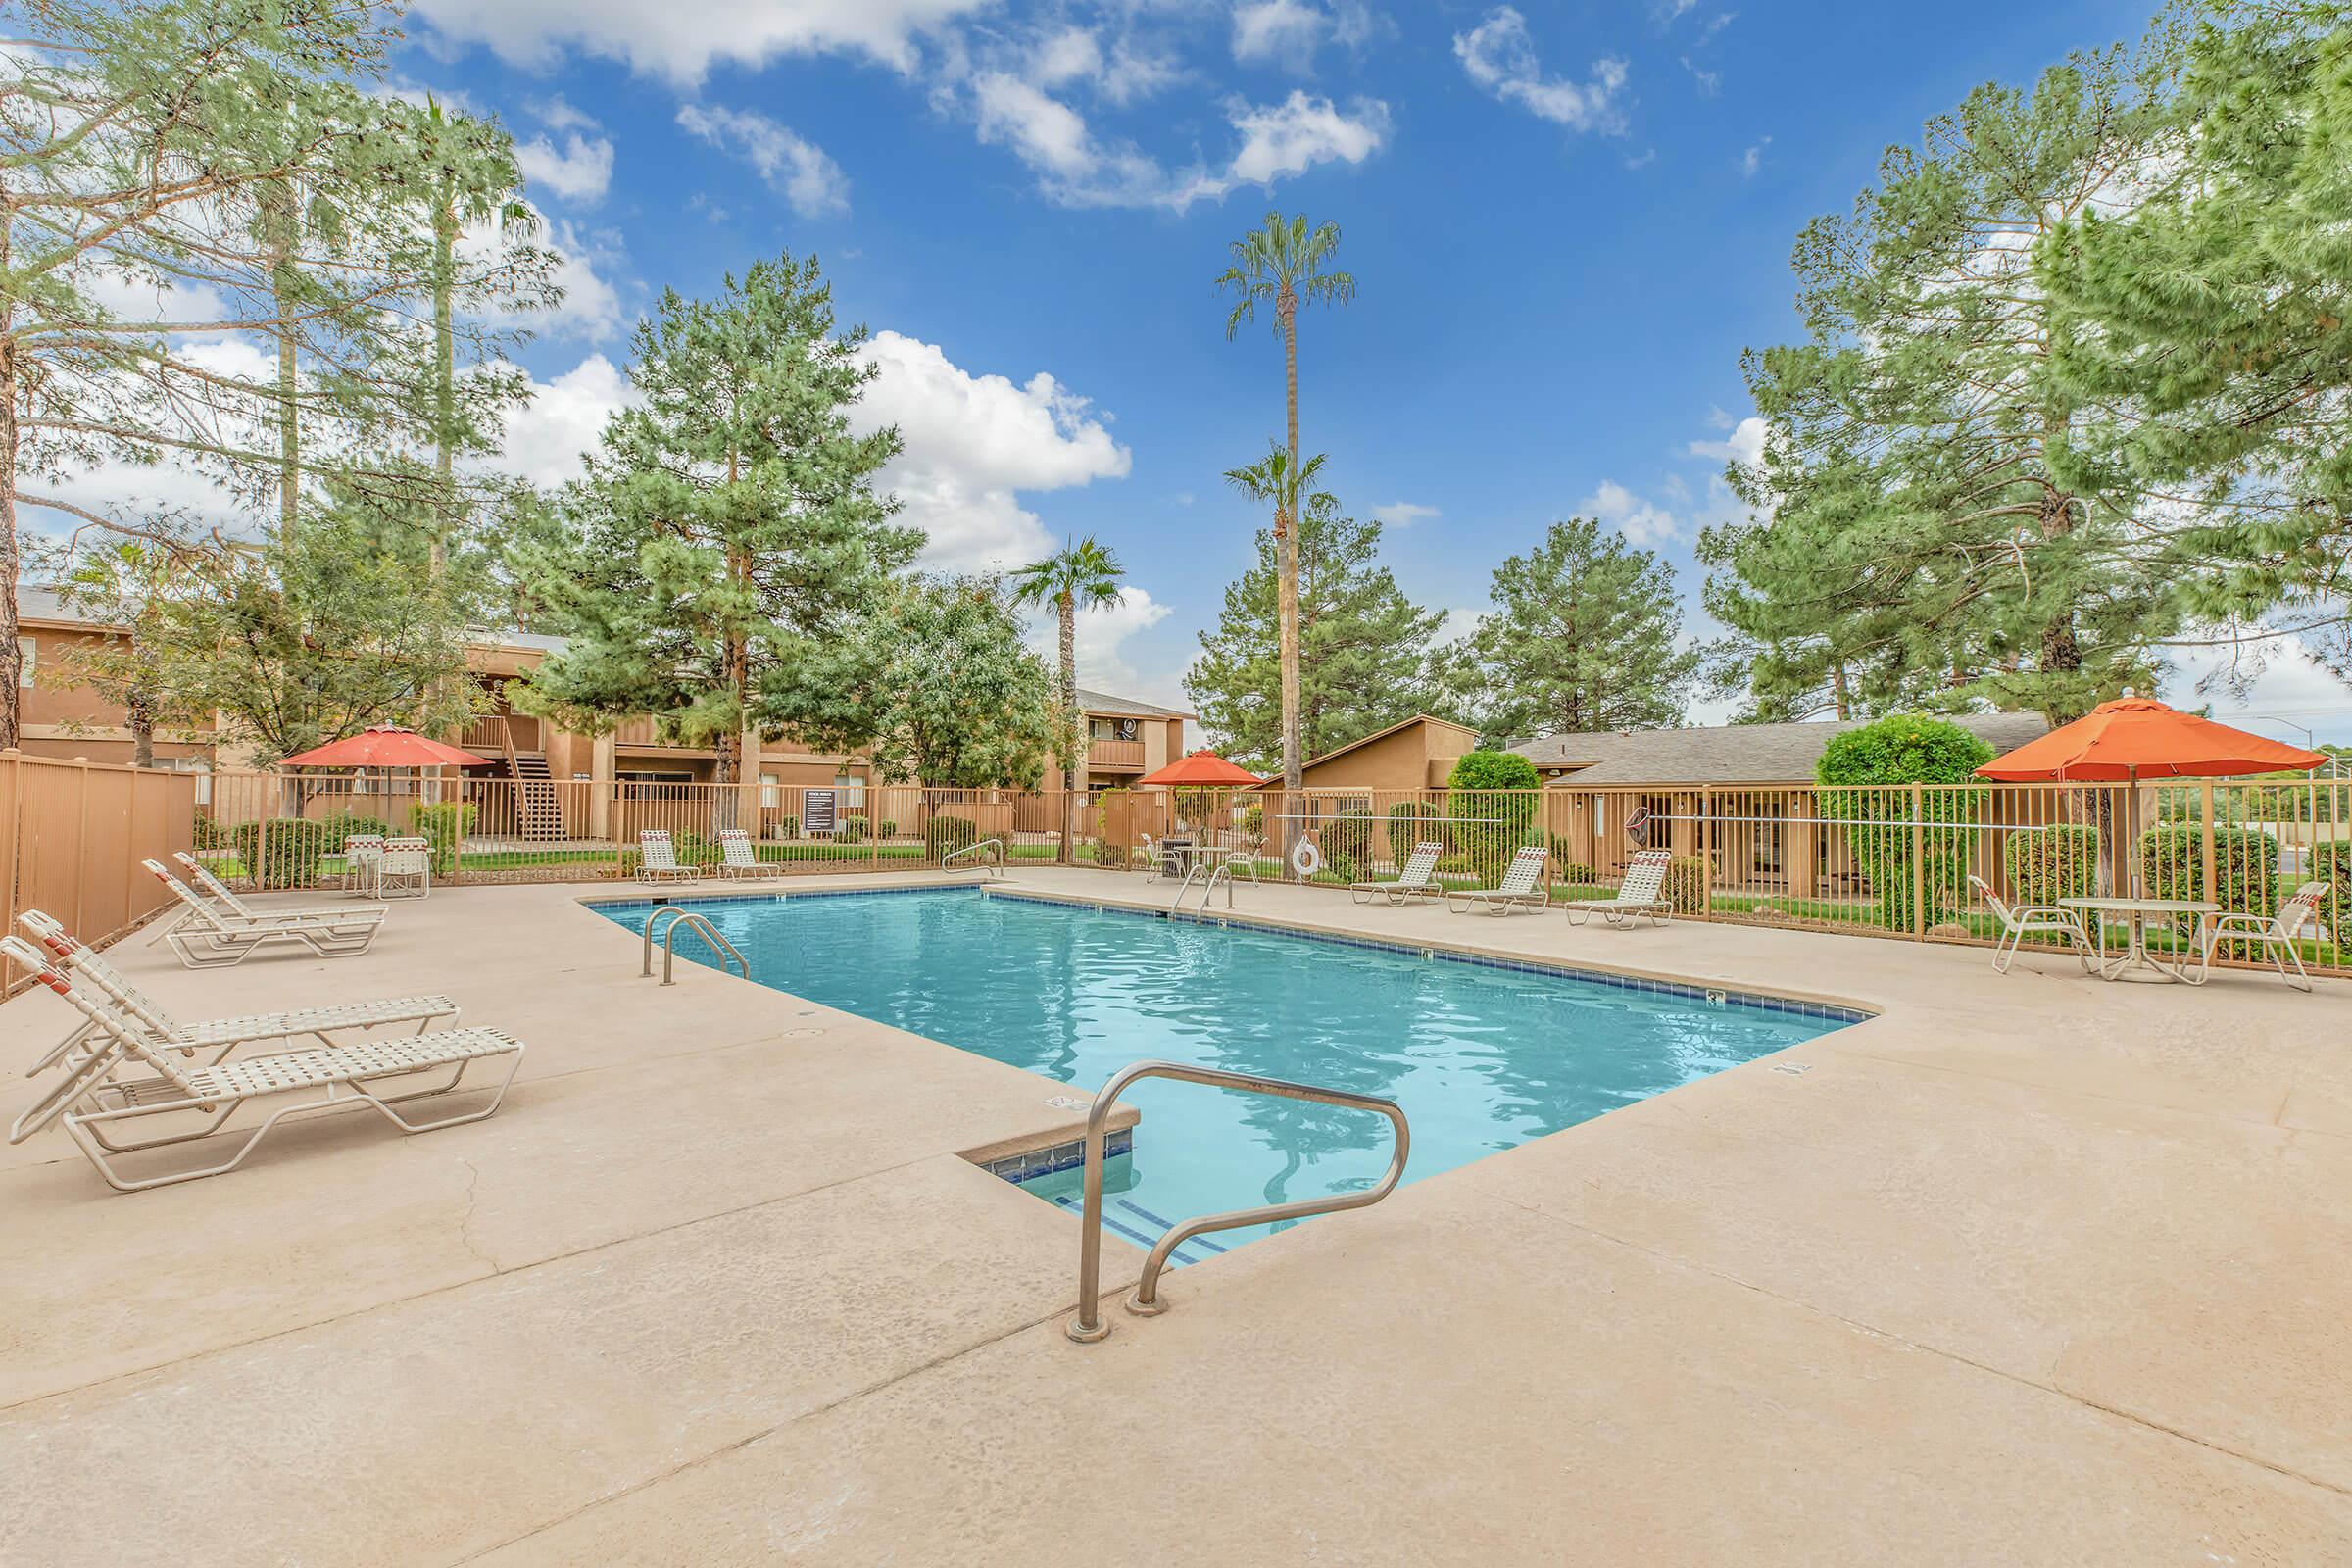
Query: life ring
{"type": "Point", "coordinates": [1305, 859]}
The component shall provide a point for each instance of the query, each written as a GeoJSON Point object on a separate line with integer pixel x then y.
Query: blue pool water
{"type": "Point", "coordinates": [1481, 1057]}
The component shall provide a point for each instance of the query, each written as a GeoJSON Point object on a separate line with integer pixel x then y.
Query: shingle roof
{"type": "Point", "coordinates": [1731, 753]}
{"type": "Point", "coordinates": [1104, 702]}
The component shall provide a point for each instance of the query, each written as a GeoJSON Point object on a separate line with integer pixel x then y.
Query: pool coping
{"type": "Point", "coordinates": [1839, 1011]}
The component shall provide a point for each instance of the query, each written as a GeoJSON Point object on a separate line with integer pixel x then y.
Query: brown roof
{"type": "Point", "coordinates": [1731, 753]}
{"type": "Point", "coordinates": [1126, 706]}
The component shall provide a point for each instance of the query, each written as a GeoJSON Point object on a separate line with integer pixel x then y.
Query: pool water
{"type": "Point", "coordinates": [1481, 1057]}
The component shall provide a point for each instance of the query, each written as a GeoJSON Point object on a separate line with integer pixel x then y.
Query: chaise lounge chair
{"type": "Point", "coordinates": [2275, 936]}
{"type": "Point", "coordinates": [741, 860]}
{"type": "Point", "coordinates": [219, 893]}
{"type": "Point", "coordinates": [93, 1101]}
{"type": "Point", "coordinates": [1640, 893]}
{"type": "Point", "coordinates": [220, 1034]}
{"type": "Point", "coordinates": [1521, 884]}
{"type": "Point", "coordinates": [657, 859]}
{"type": "Point", "coordinates": [2021, 920]}
{"type": "Point", "coordinates": [1413, 882]}
{"type": "Point", "coordinates": [206, 938]}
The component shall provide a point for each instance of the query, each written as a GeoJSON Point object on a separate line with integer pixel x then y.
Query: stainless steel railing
{"type": "Point", "coordinates": [681, 915]}
{"type": "Point", "coordinates": [1088, 1326]}
{"type": "Point", "coordinates": [973, 849]}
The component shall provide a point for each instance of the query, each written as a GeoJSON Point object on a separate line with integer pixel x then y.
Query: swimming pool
{"type": "Point", "coordinates": [1482, 1057]}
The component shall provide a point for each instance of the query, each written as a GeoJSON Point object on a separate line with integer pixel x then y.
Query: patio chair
{"type": "Point", "coordinates": [223, 1035]}
{"type": "Point", "coordinates": [657, 859]}
{"type": "Point", "coordinates": [1640, 894]}
{"type": "Point", "coordinates": [2275, 936]}
{"type": "Point", "coordinates": [1413, 882]}
{"type": "Point", "coordinates": [207, 938]}
{"type": "Point", "coordinates": [2022, 920]}
{"type": "Point", "coordinates": [202, 878]}
{"type": "Point", "coordinates": [406, 870]}
{"type": "Point", "coordinates": [1521, 884]}
{"type": "Point", "coordinates": [362, 854]}
{"type": "Point", "coordinates": [93, 1101]}
{"type": "Point", "coordinates": [740, 859]}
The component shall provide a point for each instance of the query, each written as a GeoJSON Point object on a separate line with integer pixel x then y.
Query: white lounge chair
{"type": "Point", "coordinates": [1413, 882]}
{"type": "Point", "coordinates": [220, 1034]}
{"type": "Point", "coordinates": [220, 893]}
{"type": "Point", "coordinates": [406, 870]}
{"type": "Point", "coordinates": [208, 938]}
{"type": "Point", "coordinates": [93, 1101]}
{"type": "Point", "coordinates": [658, 858]}
{"type": "Point", "coordinates": [362, 854]}
{"type": "Point", "coordinates": [2022, 920]}
{"type": "Point", "coordinates": [2273, 937]}
{"type": "Point", "coordinates": [1521, 884]}
{"type": "Point", "coordinates": [741, 859]}
{"type": "Point", "coordinates": [1641, 893]}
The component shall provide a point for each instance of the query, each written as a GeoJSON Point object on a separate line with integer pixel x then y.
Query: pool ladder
{"type": "Point", "coordinates": [997, 867]}
{"type": "Point", "coordinates": [681, 915]}
{"type": "Point", "coordinates": [1220, 871]}
{"type": "Point", "coordinates": [1088, 1326]}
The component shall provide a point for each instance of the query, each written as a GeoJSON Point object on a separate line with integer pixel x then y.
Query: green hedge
{"type": "Point", "coordinates": [1347, 835]}
{"type": "Point", "coordinates": [1409, 823]}
{"type": "Point", "coordinates": [850, 830]}
{"type": "Point", "coordinates": [788, 827]}
{"type": "Point", "coordinates": [1687, 884]}
{"type": "Point", "coordinates": [293, 849]}
{"type": "Point", "coordinates": [2049, 864]}
{"type": "Point", "coordinates": [1878, 760]}
{"type": "Point", "coordinates": [2332, 863]}
{"type": "Point", "coordinates": [442, 826]}
{"type": "Point", "coordinates": [942, 836]}
{"type": "Point", "coordinates": [2245, 868]}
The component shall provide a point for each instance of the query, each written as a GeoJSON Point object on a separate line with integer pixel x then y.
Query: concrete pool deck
{"type": "Point", "coordinates": [2026, 1269]}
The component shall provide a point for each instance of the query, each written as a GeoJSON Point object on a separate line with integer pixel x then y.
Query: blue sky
{"type": "Point", "coordinates": [1566, 222]}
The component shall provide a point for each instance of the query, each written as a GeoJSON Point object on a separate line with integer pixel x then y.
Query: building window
{"type": "Point", "coordinates": [853, 791]}
{"type": "Point", "coordinates": [27, 651]}
{"type": "Point", "coordinates": [1115, 729]}
{"type": "Point", "coordinates": [771, 793]}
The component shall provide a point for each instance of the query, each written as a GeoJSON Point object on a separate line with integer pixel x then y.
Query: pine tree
{"type": "Point", "coordinates": [1364, 647]}
{"type": "Point", "coordinates": [728, 530]}
{"type": "Point", "coordinates": [1585, 635]}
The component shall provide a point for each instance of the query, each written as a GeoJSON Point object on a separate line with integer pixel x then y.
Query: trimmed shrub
{"type": "Point", "coordinates": [287, 855]}
{"type": "Point", "coordinates": [887, 831]}
{"type": "Point", "coordinates": [441, 825]}
{"type": "Point", "coordinates": [1341, 867]}
{"type": "Point", "coordinates": [2049, 864]}
{"type": "Point", "coordinates": [2245, 868]}
{"type": "Point", "coordinates": [2332, 862]}
{"type": "Point", "coordinates": [1878, 760]}
{"type": "Point", "coordinates": [1574, 873]}
{"type": "Point", "coordinates": [786, 827]}
{"type": "Point", "coordinates": [1409, 823]}
{"type": "Point", "coordinates": [942, 836]}
{"type": "Point", "coordinates": [1254, 824]}
{"type": "Point", "coordinates": [1687, 884]}
{"type": "Point", "coordinates": [850, 830]}
{"type": "Point", "coordinates": [344, 825]}
{"type": "Point", "coordinates": [210, 835]}
{"type": "Point", "coordinates": [1499, 791]}
{"type": "Point", "coordinates": [1347, 835]}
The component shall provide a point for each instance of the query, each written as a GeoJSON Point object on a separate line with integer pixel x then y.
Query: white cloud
{"type": "Point", "coordinates": [1643, 522]}
{"type": "Point", "coordinates": [1499, 55]}
{"type": "Point", "coordinates": [2273, 687]}
{"type": "Point", "coordinates": [1403, 514]}
{"type": "Point", "coordinates": [1459, 623]}
{"type": "Point", "coordinates": [580, 172]}
{"type": "Point", "coordinates": [565, 417]}
{"type": "Point", "coordinates": [559, 115]}
{"type": "Point", "coordinates": [795, 169]}
{"type": "Point", "coordinates": [1292, 138]}
{"type": "Point", "coordinates": [1753, 160]}
{"type": "Point", "coordinates": [971, 442]}
{"type": "Point", "coordinates": [681, 42]}
{"type": "Point", "coordinates": [1285, 31]}
{"type": "Point", "coordinates": [592, 310]}
{"type": "Point", "coordinates": [1048, 136]}
{"type": "Point", "coordinates": [1744, 445]}
{"type": "Point", "coordinates": [1065, 55]}
{"type": "Point", "coordinates": [1105, 664]}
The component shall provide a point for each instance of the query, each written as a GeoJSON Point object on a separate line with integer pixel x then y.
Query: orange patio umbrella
{"type": "Point", "coordinates": [2136, 738]}
{"type": "Point", "coordinates": [385, 746]}
{"type": "Point", "coordinates": [1203, 769]}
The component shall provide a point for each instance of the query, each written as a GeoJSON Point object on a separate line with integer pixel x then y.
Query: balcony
{"type": "Point", "coordinates": [638, 734]}
{"type": "Point", "coordinates": [1104, 757]}
{"type": "Point", "coordinates": [492, 733]}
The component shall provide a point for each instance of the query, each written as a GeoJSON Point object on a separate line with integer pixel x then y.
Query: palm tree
{"type": "Point", "coordinates": [1283, 263]}
{"type": "Point", "coordinates": [1078, 576]}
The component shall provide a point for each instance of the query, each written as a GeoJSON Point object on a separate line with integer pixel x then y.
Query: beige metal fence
{"type": "Point", "coordinates": [72, 835]}
{"type": "Point", "coordinates": [1894, 861]}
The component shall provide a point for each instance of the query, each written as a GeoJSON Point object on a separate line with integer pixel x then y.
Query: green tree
{"type": "Point", "coordinates": [956, 698]}
{"type": "Point", "coordinates": [1078, 576]}
{"type": "Point", "coordinates": [729, 531]}
{"type": "Point", "coordinates": [1364, 646]}
{"type": "Point", "coordinates": [1915, 531]}
{"type": "Point", "coordinates": [126, 585]}
{"type": "Point", "coordinates": [2210, 326]}
{"type": "Point", "coordinates": [1584, 636]}
{"type": "Point", "coordinates": [1283, 263]}
{"type": "Point", "coordinates": [1892, 830]}
{"type": "Point", "coordinates": [1491, 796]}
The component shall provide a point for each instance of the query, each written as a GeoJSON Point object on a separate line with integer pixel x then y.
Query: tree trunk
{"type": "Point", "coordinates": [445, 382]}
{"type": "Point", "coordinates": [140, 715]}
{"type": "Point", "coordinates": [278, 219]}
{"type": "Point", "coordinates": [1068, 605]}
{"type": "Point", "coordinates": [2061, 652]}
{"type": "Point", "coordinates": [10, 654]}
{"type": "Point", "coordinates": [1286, 550]}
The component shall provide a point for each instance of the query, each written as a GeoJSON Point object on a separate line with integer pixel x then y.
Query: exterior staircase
{"type": "Point", "coordinates": [541, 813]}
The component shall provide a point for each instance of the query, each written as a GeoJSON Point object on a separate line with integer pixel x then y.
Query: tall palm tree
{"type": "Point", "coordinates": [1078, 576]}
{"type": "Point", "coordinates": [1283, 263]}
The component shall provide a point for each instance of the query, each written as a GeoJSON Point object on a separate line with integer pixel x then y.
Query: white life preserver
{"type": "Point", "coordinates": [1305, 859]}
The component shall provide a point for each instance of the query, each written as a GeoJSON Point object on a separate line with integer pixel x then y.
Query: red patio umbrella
{"type": "Point", "coordinates": [2134, 738]}
{"type": "Point", "coordinates": [1203, 769]}
{"type": "Point", "coordinates": [385, 746]}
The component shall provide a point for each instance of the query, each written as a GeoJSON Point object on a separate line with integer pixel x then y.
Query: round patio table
{"type": "Point", "coordinates": [2136, 913]}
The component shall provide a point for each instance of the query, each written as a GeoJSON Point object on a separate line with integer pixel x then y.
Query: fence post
{"type": "Point", "coordinates": [1919, 864]}
{"type": "Point", "coordinates": [1706, 854]}
{"type": "Point", "coordinates": [457, 827]}
{"type": "Point", "coordinates": [2205, 869]}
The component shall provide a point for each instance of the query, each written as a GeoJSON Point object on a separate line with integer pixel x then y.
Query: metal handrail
{"type": "Point", "coordinates": [973, 849]}
{"type": "Point", "coordinates": [1220, 870]}
{"type": "Point", "coordinates": [1088, 1326]}
{"type": "Point", "coordinates": [681, 915]}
